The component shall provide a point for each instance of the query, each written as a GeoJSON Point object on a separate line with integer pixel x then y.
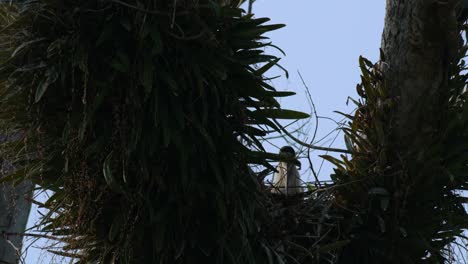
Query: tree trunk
{"type": "Point", "coordinates": [419, 39]}
{"type": "Point", "coordinates": [14, 212]}
{"type": "Point", "coordinates": [421, 42]}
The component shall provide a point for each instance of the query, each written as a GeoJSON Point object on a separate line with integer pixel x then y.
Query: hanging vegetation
{"type": "Point", "coordinates": [142, 118]}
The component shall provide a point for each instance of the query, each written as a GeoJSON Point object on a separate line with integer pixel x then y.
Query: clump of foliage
{"type": "Point", "coordinates": [403, 205]}
{"type": "Point", "coordinates": [142, 118]}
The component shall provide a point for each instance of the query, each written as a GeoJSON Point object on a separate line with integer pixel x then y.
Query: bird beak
{"type": "Point", "coordinates": [297, 163]}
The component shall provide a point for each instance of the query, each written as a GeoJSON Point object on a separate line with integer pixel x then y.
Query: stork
{"type": "Point", "coordinates": [286, 179]}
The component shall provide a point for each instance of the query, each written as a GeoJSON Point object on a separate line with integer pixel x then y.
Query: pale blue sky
{"type": "Point", "coordinates": [322, 40]}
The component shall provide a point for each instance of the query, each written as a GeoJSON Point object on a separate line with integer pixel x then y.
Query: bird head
{"type": "Point", "coordinates": [289, 153]}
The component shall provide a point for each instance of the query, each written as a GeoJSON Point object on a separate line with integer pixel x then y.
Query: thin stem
{"type": "Point", "coordinates": [250, 6]}
{"type": "Point", "coordinates": [298, 141]}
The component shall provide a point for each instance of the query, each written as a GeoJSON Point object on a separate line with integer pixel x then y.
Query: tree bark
{"type": "Point", "coordinates": [14, 212]}
{"type": "Point", "coordinates": [420, 42]}
{"type": "Point", "coordinates": [419, 38]}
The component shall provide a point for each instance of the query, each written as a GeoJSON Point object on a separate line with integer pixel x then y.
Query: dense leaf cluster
{"type": "Point", "coordinates": [142, 118]}
{"type": "Point", "coordinates": [404, 204]}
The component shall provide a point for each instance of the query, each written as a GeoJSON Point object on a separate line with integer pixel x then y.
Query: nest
{"type": "Point", "coordinates": [304, 227]}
